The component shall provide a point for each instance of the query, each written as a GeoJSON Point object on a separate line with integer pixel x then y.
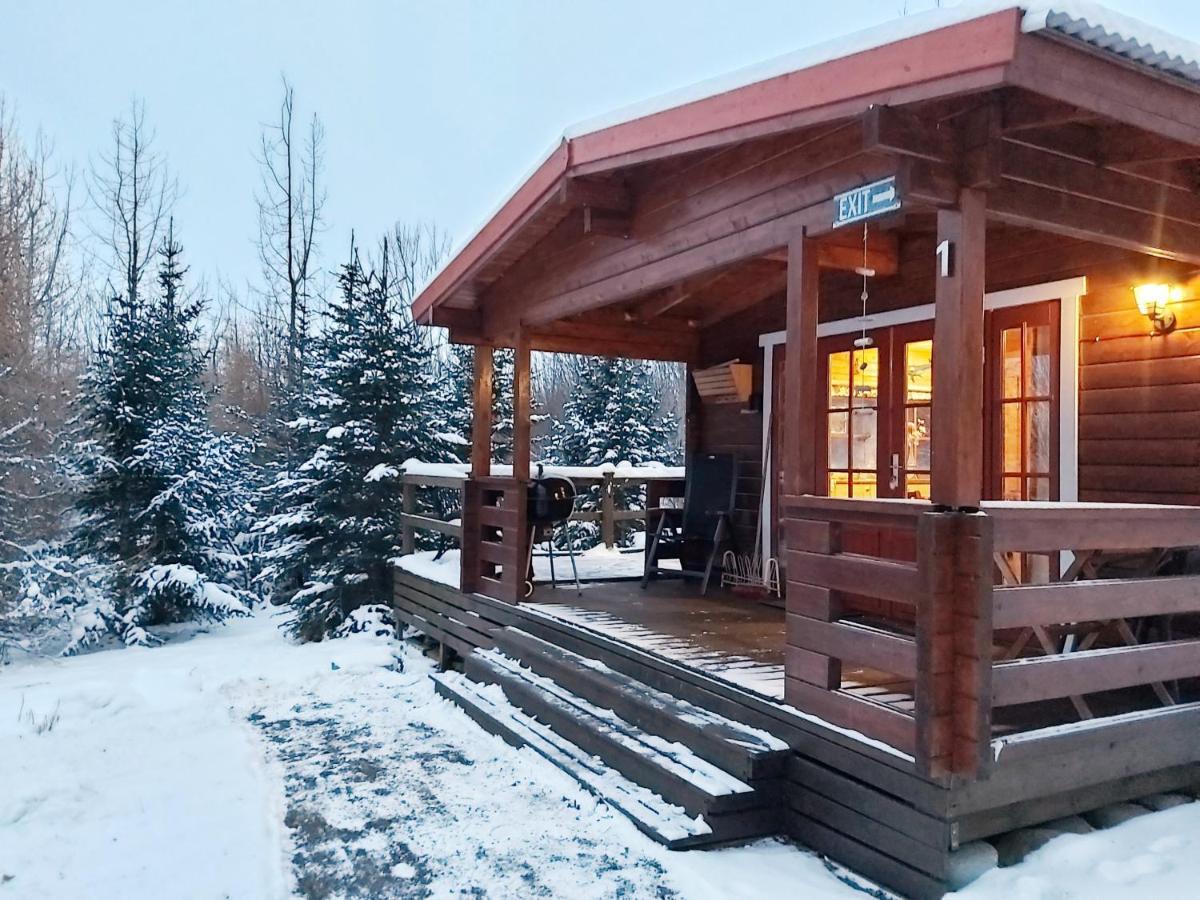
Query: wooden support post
{"type": "Point", "coordinates": [958, 354]}
{"type": "Point", "coordinates": [408, 505]}
{"type": "Point", "coordinates": [957, 449]}
{"type": "Point", "coordinates": [521, 409]}
{"type": "Point", "coordinates": [481, 414]}
{"type": "Point", "coordinates": [954, 645]}
{"type": "Point", "coordinates": [800, 370]}
{"type": "Point", "coordinates": [608, 524]}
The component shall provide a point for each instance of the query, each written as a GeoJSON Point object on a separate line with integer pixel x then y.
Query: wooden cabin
{"type": "Point", "coordinates": [960, 254]}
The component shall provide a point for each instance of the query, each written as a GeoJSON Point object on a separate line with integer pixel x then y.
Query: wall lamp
{"type": "Point", "coordinates": [1152, 302]}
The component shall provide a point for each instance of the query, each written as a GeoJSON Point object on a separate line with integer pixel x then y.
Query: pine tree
{"type": "Point", "coordinates": [369, 411]}
{"type": "Point", "coordinates": [158, 481]}
{"type": "Point", "coordinates": [612, 416]}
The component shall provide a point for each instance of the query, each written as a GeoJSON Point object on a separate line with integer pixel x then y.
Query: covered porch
{"type": "Point", "coordinates": [970, 444]}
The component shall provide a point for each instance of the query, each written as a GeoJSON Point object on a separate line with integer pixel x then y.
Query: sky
{"type": "Point", "coordinates": [433, 110]}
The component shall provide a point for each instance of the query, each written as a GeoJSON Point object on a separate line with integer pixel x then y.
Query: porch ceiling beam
{"type": "Point", "coordinates": [599, 194]}
{"type": "Point", "coordinates": [746, 297]}
{"type": "Point", "coordinates": [1032, 206]}
{"type": "Point", "coordinates": [630, 342]}
{"type": "Point", "coordinates": [745, 230]}
{"type": "Point", "coordinates": [1023, 110]}
{"type": "Point", "coordinates": [1106, 87]}
{"type": "Point", "coordinates": [843, 250]}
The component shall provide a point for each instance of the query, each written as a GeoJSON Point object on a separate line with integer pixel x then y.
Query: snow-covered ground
{"type": "Point", "coordinates": [236, 764]}
{"type": "Point", "coordinates": [598, 563]}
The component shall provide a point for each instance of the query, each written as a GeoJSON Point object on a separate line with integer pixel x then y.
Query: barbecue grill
{"type": "Point", "coordinates": [550, 500]}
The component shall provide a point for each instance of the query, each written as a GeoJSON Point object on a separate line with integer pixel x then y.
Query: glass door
{"type": "Point", "coordinates": [1023, 372]}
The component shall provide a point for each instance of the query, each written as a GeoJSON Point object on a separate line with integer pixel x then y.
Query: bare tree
{"type": "Point", "coordinates": [133, 194]}
{"type": "Point", "coordinates": [290, 203]}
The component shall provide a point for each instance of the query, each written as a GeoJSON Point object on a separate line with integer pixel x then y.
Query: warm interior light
{"type": "Point", "coordinates": [1152, 301]}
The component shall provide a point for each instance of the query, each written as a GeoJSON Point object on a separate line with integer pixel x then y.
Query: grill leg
{"type": "Point", "coordinates": [574, 568]}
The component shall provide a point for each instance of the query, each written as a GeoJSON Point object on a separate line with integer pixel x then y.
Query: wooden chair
{"type": "Point", "coordinates": [704, 525]}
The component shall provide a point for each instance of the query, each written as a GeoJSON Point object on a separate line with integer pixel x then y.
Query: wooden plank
{"type": "Point", "coordinates": [430, 524]}
{"type": "Point", "coordinates": [1169, 724]}
{"type": "Point", "coordinates": [1171, 370]}
{"type": "Point", "coordinates": [1071, 674]}
{"type": "Point", "coordinates": [1059, 804]}
{"type": "Point", "coordinates": [875, 720]}
{"type": "Point", "coordinates": [931, 831]}
{"type": "Point", "coordinates": [957, 471]}
{"type": "Point", "coordinates": [1118, 598]}
{"type": "Point", "coordinates": [863, 858]}
{"type": "Point", "coordinates": [1093, 527]}
{"type": "Point", "coordinates": [852, 574]}
{"type": "Point", "coordinates": [1134, 454]}
{"type": "Point", "coordinates": [853, 824]}
{"type": "Point", "coordinates": [855, 643]}
{"type": "Point", "coordinates": [811, 535]}
{"type": "Point", "coordinates": [1162, 398]}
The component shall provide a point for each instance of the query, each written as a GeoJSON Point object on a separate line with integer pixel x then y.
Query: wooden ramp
{"type": "Point", "coordinates": [684, 775]}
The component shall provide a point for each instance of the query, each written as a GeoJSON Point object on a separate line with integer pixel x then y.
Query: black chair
{"type": "Point", "coordinates": [695, 534]}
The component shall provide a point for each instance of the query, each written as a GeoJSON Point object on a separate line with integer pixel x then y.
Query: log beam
{"type": "Point", "coordinates": [481, 412]}
{"type": "Point", "coordinates": [957, 451]}
{"type": "Point", "coordinates": [800, 366]}
{"type": "Point", "coordinates": [522, 450]}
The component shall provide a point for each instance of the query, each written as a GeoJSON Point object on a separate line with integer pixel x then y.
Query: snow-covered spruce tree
{"type": "Point", "coordinates": [369, 411]}
{"type": "Point", "coordinates": [156, 501]}
{"type": "Point", "coordinates": [611, 416]}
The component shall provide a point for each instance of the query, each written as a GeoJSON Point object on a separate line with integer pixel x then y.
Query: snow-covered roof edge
{"type": "Point", "coordinates": [1088, 22]}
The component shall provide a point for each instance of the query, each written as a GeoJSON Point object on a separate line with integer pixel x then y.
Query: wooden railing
{"type": "Point", "coordinates": [482, 560]}
{"type": "Point", "coordinates": [1081, 632]}
{"type": "Point", "coordinates": [980, 637]}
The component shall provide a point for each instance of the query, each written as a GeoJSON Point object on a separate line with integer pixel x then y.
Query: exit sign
{"type": "Point", "coordinates": [866, 202]}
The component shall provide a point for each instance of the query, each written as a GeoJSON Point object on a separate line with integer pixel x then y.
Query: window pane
{"type": "Point", "coordinates": [864, 427]}
{"type": "Point", "coordinates": [1012, 489]}
{"type": "Point", "coordinates": [1038, 431]}
{"type": "Point", "coordinates": [1011, 436]}
{"type": "Point", "coordinates": [839, 484]}
{"type": "Point", "coordinates": [916, 487]}
{"type": "Point", "coordinates": [866, 377]}
{"type": "Point", "coordinates": [1039, 488]}
{"type": "Point", "coordinates": [1038, 361]}
{"type": "Point", "coordinates": [918, 371]}
{"type": "Point", "coordinates": [864, 484]}
{"type": "Point", "coordinates": [839, 433]}
{"type": "Point", "coordinates": [917, 431]}
{"type": "Point", "coordinates": [1010, 360]}
{"type": "Point", "coordinates": [839, 380]}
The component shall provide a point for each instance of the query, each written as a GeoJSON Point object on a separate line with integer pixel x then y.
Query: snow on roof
{"type": "Point", "coordinates": [1078, 20]}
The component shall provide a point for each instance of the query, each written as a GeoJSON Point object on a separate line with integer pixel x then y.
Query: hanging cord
{"type": "Point", "coordinates": [866, 272]}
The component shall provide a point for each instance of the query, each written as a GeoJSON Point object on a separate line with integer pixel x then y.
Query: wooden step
{"type": "Point", "coordinates": [747, 753]}
{"type": "Point", "coordinates": [652, 815]}
{"type": "Point", "coordinates": [669, 770]}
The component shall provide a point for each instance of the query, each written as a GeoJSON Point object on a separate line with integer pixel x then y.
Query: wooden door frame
{"type": "Point", "coordinates": [1067, 291]}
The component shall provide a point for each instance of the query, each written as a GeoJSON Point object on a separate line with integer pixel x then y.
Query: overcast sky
{"type": "Point", "coordinates": [433, 110]}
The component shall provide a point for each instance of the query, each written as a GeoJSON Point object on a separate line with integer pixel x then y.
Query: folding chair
{"type": "Point", "coordinates": [698, 531]}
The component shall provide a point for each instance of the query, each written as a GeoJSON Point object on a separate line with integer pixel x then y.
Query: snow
{"type": "Point", "coordinates": [143, 773]}
{"type": "Point", "coordinates": [597, 563]}
{"type": "Point", "coordinates": [172, 771]}
{"type": "Point", "coordinates": [381, 472]}
{"type": "Point", "coordinates": [621, 470]}
{"type": "Point", "coordinates": [1156, 855]}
